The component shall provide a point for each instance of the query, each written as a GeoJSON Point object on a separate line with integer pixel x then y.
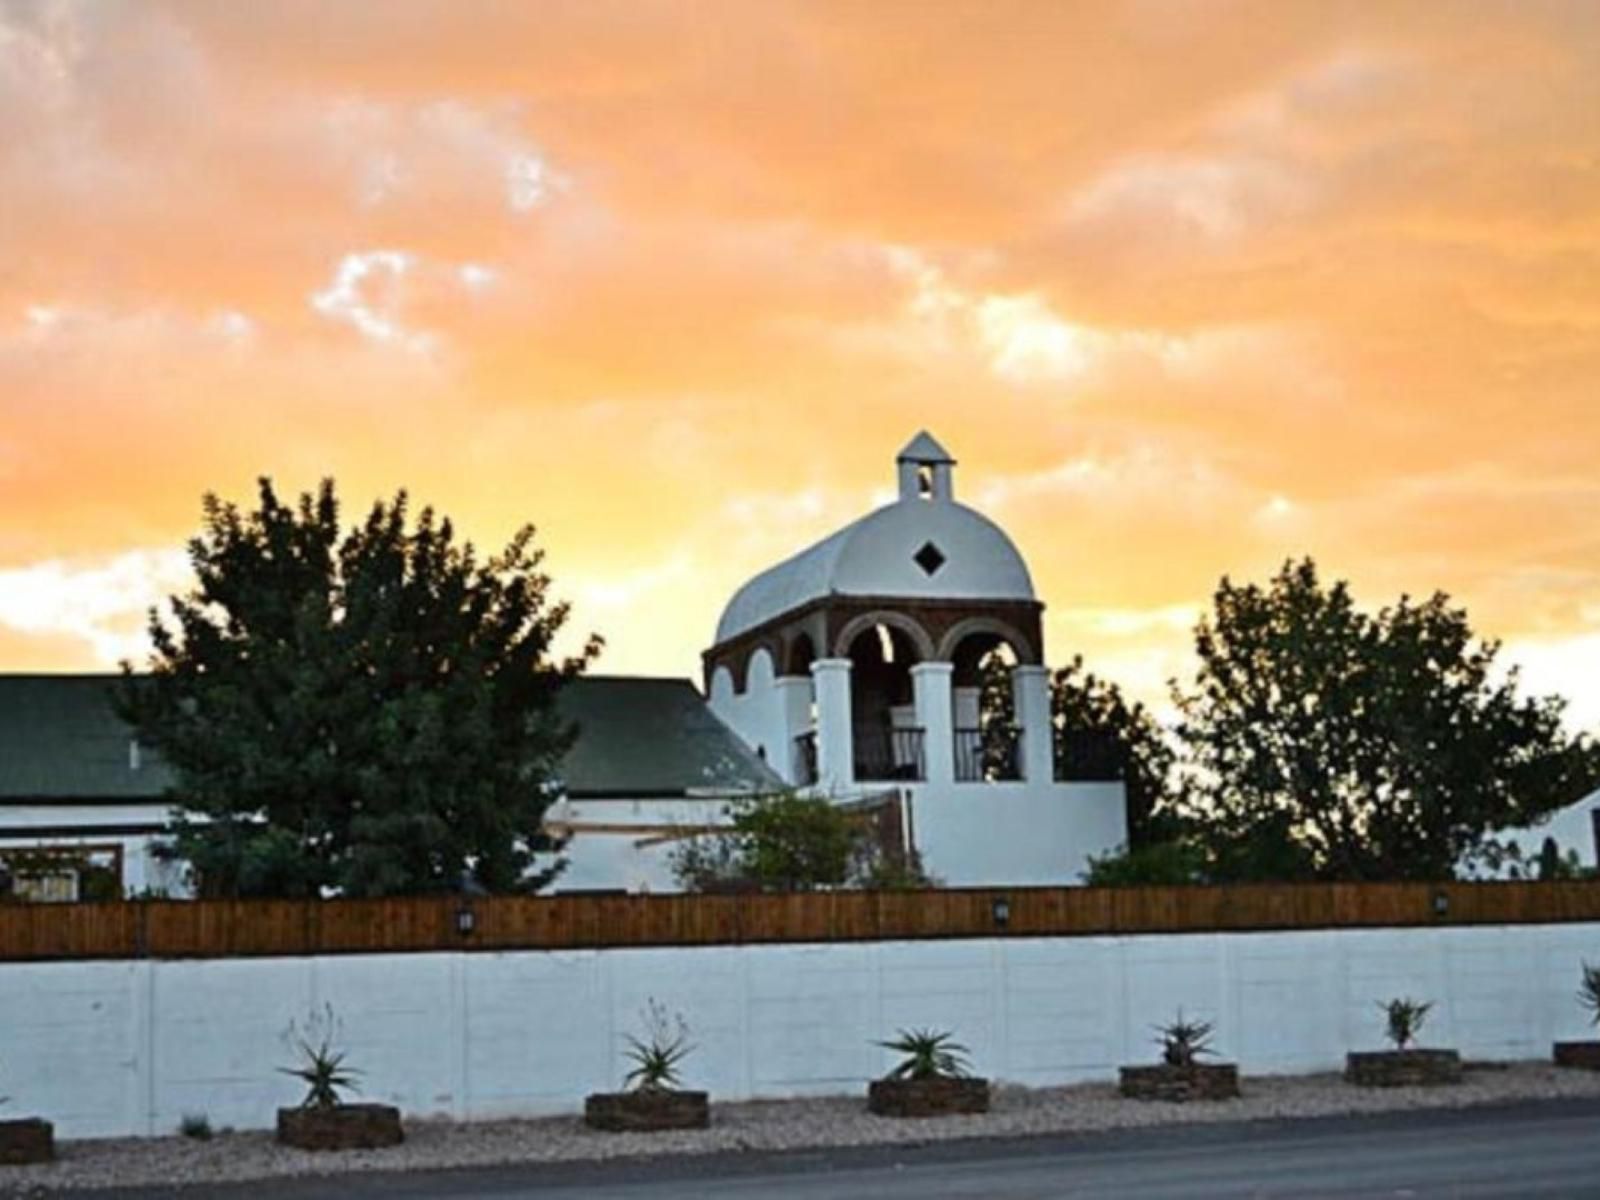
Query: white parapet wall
{"type": "Point", "coordinates": [1015, 834]}
{"type": "Point", "coordinates": [106, 1048]}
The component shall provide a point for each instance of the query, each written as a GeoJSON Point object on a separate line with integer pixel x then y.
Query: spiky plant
{"type": "Point", "coordinates": [1589, 992]}
{"type": "Point", "coordinates": [929, 1054]}
{"type": "Point", "coordinates": [1404, 1019]}
{"type": "Point", "coordinates": [322, 1069]}
{"type": "Point", "coordinates": [656, 1056]}
{"type": "Point", "coordinates": [1183, 1042]}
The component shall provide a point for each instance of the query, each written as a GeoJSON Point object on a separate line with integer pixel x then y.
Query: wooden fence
{"type": "Point", "coordinates": [229, 928]}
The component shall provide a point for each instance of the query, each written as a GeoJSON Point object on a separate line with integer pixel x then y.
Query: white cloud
{"type": "Point", "coordinates": [365, 292]}
{"type": "Point", "coordinates": [1565, 666]}
{"type": "Point", "coordinates": [370, 288]}
{"type": "Point", "coordinates": [99, 601]}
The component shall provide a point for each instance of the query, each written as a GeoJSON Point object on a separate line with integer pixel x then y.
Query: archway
{"type": "Point", "coordinates": [884, 732]}
{"type": "Point", "coordinates": [986, 741]}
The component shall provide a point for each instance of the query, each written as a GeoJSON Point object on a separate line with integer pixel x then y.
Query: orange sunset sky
{"type": "Point", "coordinates": [1186, 287]}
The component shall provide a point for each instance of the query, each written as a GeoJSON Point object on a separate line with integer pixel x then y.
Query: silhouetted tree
{"type": "Point", "coordinates": [366, 712]}
{"type": "Point", "coordinates": [1322, 742]}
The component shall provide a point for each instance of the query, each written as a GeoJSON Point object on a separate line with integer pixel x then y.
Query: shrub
{"type": "Point", "coordinates": [658, 1054]}
{"type": "Point", "coordinates": [1184, 1042]}
{"type": "Point", "coordinates": [929, 1054]}
{"type": "Point", "coordinates": [323, 1070]}
{"type": "Point", "coordinates": [196, 1126]}
{"type": "Point", "coordinates": [1589, 992]}
{"type": "Point", "coordinates": [1405, 1018]}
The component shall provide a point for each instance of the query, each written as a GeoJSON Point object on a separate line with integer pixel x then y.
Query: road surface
{"type": "Point", "coordinates": [1535, 1151]}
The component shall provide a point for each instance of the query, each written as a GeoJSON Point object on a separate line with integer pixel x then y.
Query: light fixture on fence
{"type": "Point", "coordinates": [1441, 904]}
{"type": "Point", "coordinates": [1002, 912]}
{"type": "Point", "coordinates": [466, 920]}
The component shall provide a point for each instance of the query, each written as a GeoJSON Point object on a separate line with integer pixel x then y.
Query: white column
{"type": "Point", "coordinates": [835, 752]}
{"type": "Point", "coordinates": [930, 684]}
{"type": "Point", "coordinates": [794, 708]}
{"type": "Point", "coordinates": [1030, 694]}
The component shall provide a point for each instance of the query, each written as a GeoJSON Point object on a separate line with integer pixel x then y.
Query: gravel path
{"type": "Point", "coordinates": [761, 1125]}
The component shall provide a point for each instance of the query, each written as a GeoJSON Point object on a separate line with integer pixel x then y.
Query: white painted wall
{"type": "Point", "coordinates": [1572, 827]}
{"type": "Point", "coordinates": [1015, 834]}
{"type": "Point", "coordinates": [130, 1047]}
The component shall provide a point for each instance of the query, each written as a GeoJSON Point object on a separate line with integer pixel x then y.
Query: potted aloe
{"type": "Point", "coordinates": [932, 1079]}
{"type": "Point", "coordinates": [1405, 1065]}
{"type": "Point", "coordinates": [1584, 1054]}
{"type": "Point", "coordinates": [26, 1140]}
{"type": "Point", "coordinates": [1180, 1075]}
{"type": "Point", "coordinates": [323, 1121]}
{"type": "Point", "coordinates": [651, 1098]}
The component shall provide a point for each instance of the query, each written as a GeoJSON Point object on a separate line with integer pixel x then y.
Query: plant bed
{"type": "Point", "coordinates": [29, 1140]}
{"type": "Point", "coordinates": [1180, 1082]}
{"type": "Point", "coordinates": [1584, 1056]}
{"type": "Point", "coordinates": [647, 1110]}
{"type": "Point", "coordinates": [1402, 1068]}
{"type": "Point", "coordinates": [1180, 1075]}
{"type": "Point", "coordinates": [936, 1097]}
{"type": "Point", "coordinates": [341, 1127]}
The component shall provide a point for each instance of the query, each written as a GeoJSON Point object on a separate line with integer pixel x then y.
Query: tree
{"type": "Point", "coordinates": [1326, 743]}
{"type": "Point", "coordinates": [368, 713]}
{"type": "Point", "coordinates": [791, 843]}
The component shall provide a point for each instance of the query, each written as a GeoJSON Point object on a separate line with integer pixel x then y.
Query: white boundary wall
{"type": "Point", "coordinates": [108, 1048]}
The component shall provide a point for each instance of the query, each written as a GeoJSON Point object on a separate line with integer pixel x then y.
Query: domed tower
{"type": "Point", "coordinates": [860, 659]}
{"type": "Point", "coordinates": [856, 668]}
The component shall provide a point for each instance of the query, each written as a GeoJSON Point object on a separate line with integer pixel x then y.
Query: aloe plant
{"type": "Point", "coordinates": [1404, 1019]}
{"type": "Point", "coordinates": [929, 1054]}
{"type": "Point", "coordinates": [323, 1070]}
{"type": "Point", "coordinates": [658, 1053]}
{"type": "Point", "coordinates": [1589, 992]}
{"type": "Point", "coordinates": [1184, 1042]}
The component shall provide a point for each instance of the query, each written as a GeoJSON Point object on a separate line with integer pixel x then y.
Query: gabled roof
{"type": "Point", "coordinates": [60, 739]}
{"type": "Point", "coordinates": [924, 448]}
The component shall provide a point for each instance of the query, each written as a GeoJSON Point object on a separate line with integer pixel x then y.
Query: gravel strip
{"type": "Point", "coordinates": [762, 1125]}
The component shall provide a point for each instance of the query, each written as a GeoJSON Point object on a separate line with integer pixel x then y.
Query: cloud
{"type": "Point", "coordinates": [101, 601]}
{"type": "Point", "coordinates": [370, 291]}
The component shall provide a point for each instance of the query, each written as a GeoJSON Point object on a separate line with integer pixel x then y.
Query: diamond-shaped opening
{"type": "Point", "coordinates": [930, 558]}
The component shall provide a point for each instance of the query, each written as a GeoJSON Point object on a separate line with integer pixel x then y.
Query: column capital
{"type": "Point", "coordinates": [1030, 671]}
{"type": "Point", "coordinates": [934, 668]}
{"type": "Point", "coordinates": [830, 664]}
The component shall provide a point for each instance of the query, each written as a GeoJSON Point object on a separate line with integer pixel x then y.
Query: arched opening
{"type": "Point", "coordinates": [802, 653]}
{"type": "Point", "coordinates": [987, 742]}
{"type": "Point", "coordinates": [884, 730]}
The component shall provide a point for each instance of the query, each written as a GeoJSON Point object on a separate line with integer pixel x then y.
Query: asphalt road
{"type": "Point", "coordinates": [1539, 1151]}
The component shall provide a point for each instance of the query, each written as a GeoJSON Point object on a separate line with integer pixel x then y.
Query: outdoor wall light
{"type": "Point", "coordinates": [1002, 912]}
{"type": "Point", "coordinates": [466, 920]}
{"type": "Point", "coordinates": [1441, 904]}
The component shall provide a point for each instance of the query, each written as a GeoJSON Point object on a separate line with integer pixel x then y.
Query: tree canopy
{"type": "Point", "coordinates": [364, 712]}
{"type": "Point", "coordinates": [1323, 742]}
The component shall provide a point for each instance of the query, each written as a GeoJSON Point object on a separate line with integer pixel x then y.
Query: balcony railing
{"type": "Point", "coordinates": [805, 759]}
{"type": "Point", "coordinates": [988, 755]}
{"type": "Point", "coordinates": [886, 754]}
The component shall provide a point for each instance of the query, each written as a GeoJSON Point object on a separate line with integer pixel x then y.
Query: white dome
{"type": "Point", "coordinates": [971, 559]}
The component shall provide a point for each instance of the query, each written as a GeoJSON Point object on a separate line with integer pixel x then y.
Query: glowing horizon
{"type": "Point", "coordinates": [1187, 289]}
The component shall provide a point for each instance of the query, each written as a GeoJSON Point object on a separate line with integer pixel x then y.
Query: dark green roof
{"type": "Point", "coordinates": [61, 740]}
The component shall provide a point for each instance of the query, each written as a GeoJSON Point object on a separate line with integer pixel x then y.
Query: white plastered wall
{"type": "Point", "coordinates": [129, 1047]}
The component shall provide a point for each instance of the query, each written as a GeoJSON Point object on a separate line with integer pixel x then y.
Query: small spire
{"type": "Point", "coordinates": [926, 450]}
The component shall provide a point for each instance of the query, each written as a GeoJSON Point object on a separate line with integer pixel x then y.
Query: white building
{"type": "Point", "coordinates": [854, 668]}
{"type": "Point", "coordinates": [850, 670]}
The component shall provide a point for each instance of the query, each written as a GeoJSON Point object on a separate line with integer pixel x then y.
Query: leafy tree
{"type": "Point", "coordinates": [368, 712]}
{"type": "Point", "coordinates": [791, 843]}
{"type": "Point", "coordinates": [1326, 743]}
{"type": "Point", "coordinates": [1099, 734]}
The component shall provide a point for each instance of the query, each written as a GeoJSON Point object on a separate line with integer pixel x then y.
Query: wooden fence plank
{"type": "Point", "coordinates": [233, 928]}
